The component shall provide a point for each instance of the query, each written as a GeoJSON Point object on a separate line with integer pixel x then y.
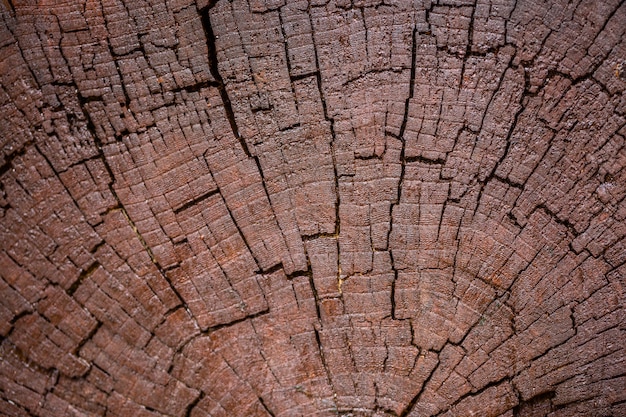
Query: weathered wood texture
{"type": "Point", "coordinates": [292, 208]}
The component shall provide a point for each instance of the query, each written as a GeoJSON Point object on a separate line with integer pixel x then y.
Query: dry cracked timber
{"type": "Point", "coordinates": [292, 208]}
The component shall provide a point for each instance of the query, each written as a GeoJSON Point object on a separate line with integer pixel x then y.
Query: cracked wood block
{"type": "Point", "coordinates": [295, 208]}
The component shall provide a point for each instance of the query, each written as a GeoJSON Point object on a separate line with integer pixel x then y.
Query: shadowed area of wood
{"type": "Point", "coordinates": [312, 208]}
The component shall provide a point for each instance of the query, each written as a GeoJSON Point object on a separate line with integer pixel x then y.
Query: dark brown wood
{"type": "Point", "coordinates": [292, 208]}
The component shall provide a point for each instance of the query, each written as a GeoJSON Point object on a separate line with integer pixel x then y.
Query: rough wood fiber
{"type": "Point", "coordinates": [292, 208]}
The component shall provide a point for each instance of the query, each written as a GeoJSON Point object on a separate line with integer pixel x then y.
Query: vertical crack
{"type": "Point", "coordinates": [403, 167]}
{"type": "Point", "coordinates": [411, 86]}
{"type": "Point", "coordinates": [126, 103]}
{"type": "Point", "coordinates": [331, 121]}
{"type": "Point", "coordinates": [287, 59]}
{"type": "Point", "coordinates": [468, 47]}
{"type": "Point", "coordinates": [324, 364]}
{"type": "Point", "coordinates": [205, 18]}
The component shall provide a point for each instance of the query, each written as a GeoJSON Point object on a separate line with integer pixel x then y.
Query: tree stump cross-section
{"type": "Point", "coordinates": [312, 208]}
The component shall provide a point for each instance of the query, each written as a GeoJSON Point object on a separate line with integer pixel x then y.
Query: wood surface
{"type": "Point", "coordinates": [323, 208]}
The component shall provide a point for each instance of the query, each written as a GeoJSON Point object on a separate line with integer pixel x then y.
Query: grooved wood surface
{"type": "Point", "coordinates": [312, 208]}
